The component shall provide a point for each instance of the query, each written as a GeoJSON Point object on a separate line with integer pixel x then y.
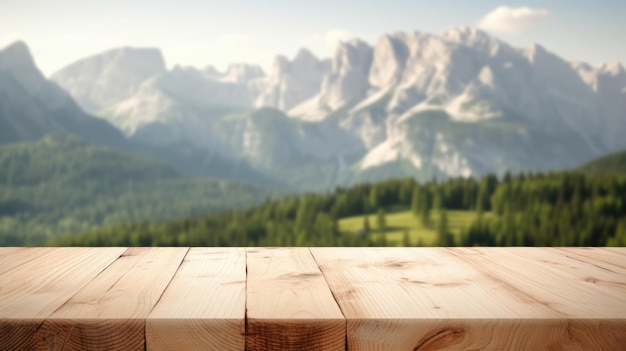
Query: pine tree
{"type": "Point", "coordinates": [382, 239]}
{"type": "Point", "coordinates": [619, 239]}
{"type": "Point", "coordinates": [415, 202]}
{"type": "Point", "coordinates": [437, 200]}
{"type": "Point", "coordinates": [423, 207]}
{"type": "Point", "coordinates": [381, 221]}
{"type": "Point", "coordinates": [443, 237]}
{"type": "Point", "coordinates": [406, 241]}
{"type": "Point", "coordinates": [405, 191]}
{"type": "Point", "coordinates": [373, 199]}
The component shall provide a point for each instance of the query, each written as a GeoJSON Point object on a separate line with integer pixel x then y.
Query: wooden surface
{"type": "Point", "coordinates": [124, 292]}
{"type": "Point", "coordinates": [477, 299]}
{"type": "Point", "coordinates": [37, 282]}
{"type": "Point", "coordinates": [211, 283]}
{"type": "Point", "coordinates": [315, 299]}
{"type": "Point", "coordinates": [289, 304]}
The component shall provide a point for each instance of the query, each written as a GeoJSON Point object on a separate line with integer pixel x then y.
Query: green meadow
{"type": "Point", "coordinates": [402, 219]}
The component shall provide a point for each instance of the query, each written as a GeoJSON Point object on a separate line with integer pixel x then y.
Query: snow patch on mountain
{"type": "Point", "coordinates": [384, 152]}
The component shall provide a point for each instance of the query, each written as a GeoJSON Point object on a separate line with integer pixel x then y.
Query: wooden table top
{"type": "Point", "coordinates": [312, 299]}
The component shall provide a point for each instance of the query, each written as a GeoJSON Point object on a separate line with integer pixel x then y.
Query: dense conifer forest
{"type": "Point", "coordinates": [556, 209]}
{"type": "Point", "coordinates": [62, 184]}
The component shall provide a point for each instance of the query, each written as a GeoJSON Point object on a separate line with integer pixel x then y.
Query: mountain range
{"type": "Point", "coordinates": [461, 103]}
{"type": "Point", "coordinates": [32, 106]}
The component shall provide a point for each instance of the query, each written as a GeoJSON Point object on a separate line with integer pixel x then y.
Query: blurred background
{"type": "Point", "coordinates": [277, 122]}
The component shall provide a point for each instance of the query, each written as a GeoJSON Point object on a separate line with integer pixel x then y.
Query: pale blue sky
{"type": "Point", "coordinates": [200, 33]}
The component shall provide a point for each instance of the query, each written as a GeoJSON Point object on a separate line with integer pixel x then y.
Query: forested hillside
{"type": "Point", "coordinates": [62, 184]}
{"type": "Point", "coordinates": [559, 209]}
{"type": "Point", "coordinates": [614, 163]}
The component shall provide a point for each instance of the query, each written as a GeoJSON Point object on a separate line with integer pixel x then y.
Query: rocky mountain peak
{"type": "Point", "coordinates": [242, 73]}
{"type": "Point", "coordinates": [390, 54]}
{"type": "Point", "coordinates": [292, 82]}
{"type": "Point", "coordinates": [353, 54]}
{"type": "Point", "coordinates": [348, 78]}
{"type": "Point", "coordinates": [16, 55]}
{"type": "Point", "coordinates": [466, 35]}
{"type": "Point", "coordinates": [16, 60]}
{"type": "Point", "coordinates": [32, 106]}
{"type": "Point", "coordinates": [280, 66]}
{"type": "Point", "coordinates": [305, 61]}
{"type": "Point", "coordinates": [536, 53]}
{"type": "Point", "coordinates": [614, 69]}
{"type": "Point", "coordinates": [305, 56]}
{"type": "Point", "coordinates": [110, 77]}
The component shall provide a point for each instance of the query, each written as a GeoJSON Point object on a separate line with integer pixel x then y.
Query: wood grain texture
{"type": "Point", "coordinates": [34, 282]}
{"type": "Point", "coordinates": [439, 299]}
{"type": "Point", "coordinates": [585, 271]}
{"type": "Point", "coordinates": [11, 257]}
{"type": "Point", "coordinates": [289, 304]}
{"type": "Point", "coordinates": [605, 258]}
{"type": "Point", "coordinates": [203, 308]}
{"type": "Point", "coordinates": [549, 299]}
{"type": "Point", "coordinates": [570, 296]}
{"type": "Point", "coordinates": [591, 317]}
{"type": "Point", "coordinates": [109, 313]}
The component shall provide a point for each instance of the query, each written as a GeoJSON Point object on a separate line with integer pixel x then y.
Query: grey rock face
{"type": "Point", "coordinates": [292, 82]}
{"type": "Point", "coordinates": [31, 106]}
{"type": "Point", "coordinates": [105, 79]}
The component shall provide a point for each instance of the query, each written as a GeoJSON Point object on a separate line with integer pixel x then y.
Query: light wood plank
{"type": "Point", "coordinates": [592, 317]}
{"type": "Point", "coordinates": [616, 250]}
{"type": "Point", "coordinates": [393, 298]}
{"type": "Point", "coordinates": [8, 249]}
{"type": "Point", "coordinates": [556, 288]}
{"type": "Point", "coordinates": [428, 282]}
{"type": "Point", "coordinates": [432, 299]}
{"type": "Point", "coordinates": [289, 305]}
{"type": "Point", "coordinates": [583, 271]}
{"type": "Point", "coordinates": [109, 313]}
{"type": "Point", "coordinates": [605, 258]}
{"type": "Point", "coordinates": [37, 287]}
{"type": "Point", "coordinates": [37, 281]}
{"type": "Point", "coordinates": [204, 306]}
{"type": "Point", "coordinates": [11, 257]}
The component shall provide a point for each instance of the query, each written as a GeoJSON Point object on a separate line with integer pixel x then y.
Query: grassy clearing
{"type": "Point", "coordinates": [399, 221]}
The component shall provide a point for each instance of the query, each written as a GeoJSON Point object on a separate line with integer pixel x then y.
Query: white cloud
{"type": "Point", "coordinates": [334, 36]}
{"type": "Point", "coordinates": [512, 20]}
{"type": "Point", "coordinates": [329, 39]}
{"type": "Point", "coordinates": [324, 45]}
